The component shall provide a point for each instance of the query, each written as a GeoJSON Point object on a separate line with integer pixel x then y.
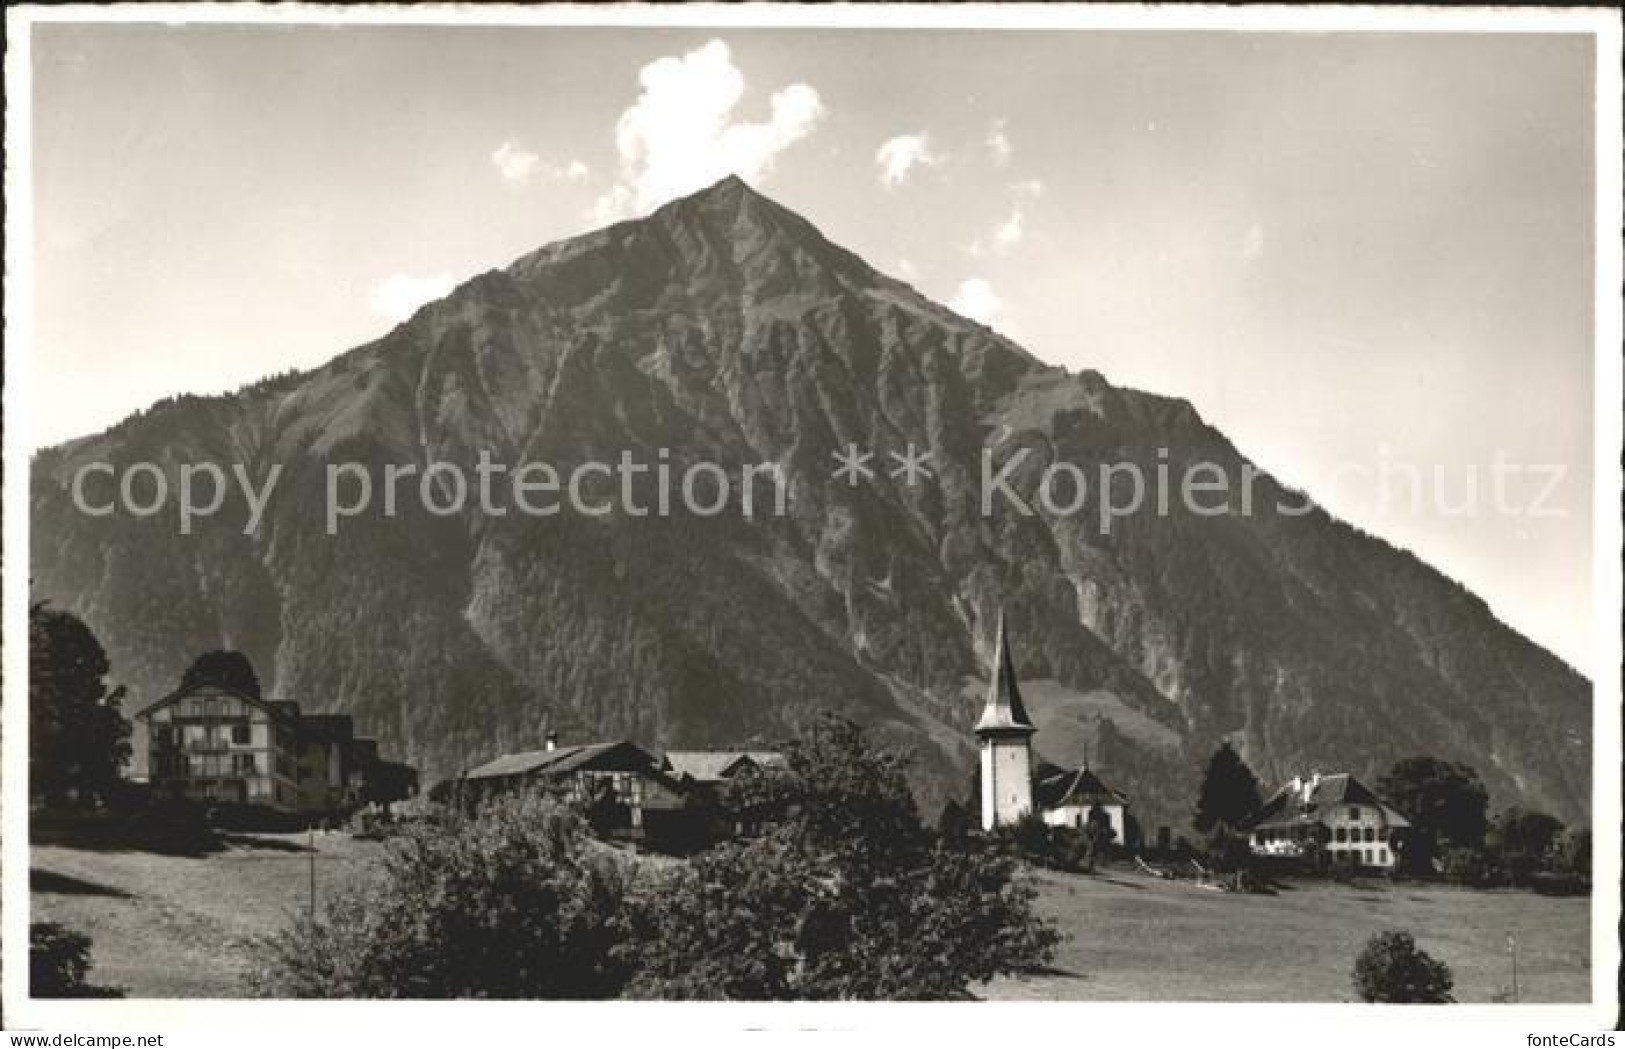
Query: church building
{"type": "Point", "coordinates": [1005, 734]}
{"type": "Point", "coordinates": [1014, 783]}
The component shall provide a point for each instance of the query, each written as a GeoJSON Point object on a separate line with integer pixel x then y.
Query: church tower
{"type": "Point", "coordinates": [1005, 733]}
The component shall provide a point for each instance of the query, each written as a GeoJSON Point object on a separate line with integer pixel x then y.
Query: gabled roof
{"type": "Point", "coordinates": [561, 760]}
{"type": "Point", "coordinates": [710, 766]}
{"type": "Point", "coordinates": [1309, 800]}
{"type": "Point", "coordinates": [1054, 786]}
{"type": "Point", "coordinates": [274, 707]}
{"type": "Point", "coordinates": [1004, 713]}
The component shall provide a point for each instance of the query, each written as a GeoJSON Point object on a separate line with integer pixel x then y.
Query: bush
{"type": "Point", "coordinates": [1466, 865]}
{"type": "Point", "coordinates": [1060, 847]}
{"type": "Point", "coordinates": [847, 896]}
{"type": "Point", "coordinates": [513, 902]}
{"type": "Point", "coordinates": [58, 961]}
{"type": "Point", "coordinates": [1391, 968]}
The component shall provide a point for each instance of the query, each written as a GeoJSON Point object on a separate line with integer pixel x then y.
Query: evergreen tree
{"type": "Point", "coordinates": [78, 740]}
{"type": "Point", "coordinates": [1230, 795]}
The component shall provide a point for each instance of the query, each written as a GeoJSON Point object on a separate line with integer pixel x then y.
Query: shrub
{"type": "Point", "coordinates": [846, 897]}
{"type": "Point", "coordinates": [1031, 838]}
{"type": "Point", "coordinates": [1391, 968]}
{"type": "Point", "coordinates": [1466, 865]}
{"type": "Point", "coordinates": [513, 902]}
{"type": "Point", "coordinates": [58, 960]}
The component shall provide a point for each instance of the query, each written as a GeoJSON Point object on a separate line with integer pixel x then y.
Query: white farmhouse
{"type": "Point", "coordinates": [1336, 815]}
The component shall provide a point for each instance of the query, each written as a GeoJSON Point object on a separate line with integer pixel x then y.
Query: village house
{"type": "Point", "coordinates": [704, 774]}
{"type": "Point", "coordinates": [715, 767]}
{"type": "Point", "coordinates": [1336, 816]}
{"type": "Point", "coordinates": [212, 744]}
{"type": "Point", "coordinates": [635, 783]}
{"type": "Point", "coordinates": [674, 800]}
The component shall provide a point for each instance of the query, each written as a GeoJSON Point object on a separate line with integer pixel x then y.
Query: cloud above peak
{"type": "Point", "coordinates": [898, 157]}
{"type": "Point", "coordinates": [519, 167]}
{"type": "Point", "coordinates": [682, 134]}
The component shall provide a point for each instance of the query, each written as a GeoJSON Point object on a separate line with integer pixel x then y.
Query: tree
{"type": "Point", "coordinates": [512, 902]}
{"type": "Point", "coordinates": [227, 669]}
{"type": "Point", "coordinates": [391, 781]}
{"type": "Point", "coordinates": [847, 896]}
{"type": "Point", "coordinates": [1097, 838]}
{"type": "Point", "coordinates": [837, 794]}
{"type": "Point", "coordinates": [954, 823]}
{"type": "Point", "coordinates": [78, 739]}
{"type": "Point", "coordinates": [1230, 795]}
{"type": "Point", "coordinates": [1445, 802]}
{"type": "Point", "coordinates": [1572, 855]}
{"type": "Point", "coordinates": [1521, 842]}
{"type": "Point", "coordinates": [1391, 968]}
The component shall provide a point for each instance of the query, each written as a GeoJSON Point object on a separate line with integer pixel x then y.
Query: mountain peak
{"type": "Point", "coordinates": [730, 197]}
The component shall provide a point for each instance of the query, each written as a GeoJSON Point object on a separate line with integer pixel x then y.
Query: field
{"type": "Point", "coordinates": [1134, 938]}
{"type": "Point", "coordinates": [165, 926]}
{"type": "Point", "coordinates": [177, 926]}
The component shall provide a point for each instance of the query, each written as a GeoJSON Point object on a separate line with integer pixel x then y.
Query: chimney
{"type": "Point", "coordinates": [552, 741]}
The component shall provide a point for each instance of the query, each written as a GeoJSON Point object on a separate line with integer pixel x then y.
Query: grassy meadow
{"type": "Point", "coordinates": [166, 926]}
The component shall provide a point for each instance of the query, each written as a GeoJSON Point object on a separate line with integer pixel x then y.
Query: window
{"type": "Point", "coordinates": [1382, 856]}
{"type": "Point", "coordinates": [1354, 812]}
{"type": "Point", "coordinates": [1371, 834]}
{"type": "Point", "coordinates": [1365, 857]}
{"type": "Point", "coordinates": [1342, 834]}
{"type": "Point", "coordinates": [240, 735]}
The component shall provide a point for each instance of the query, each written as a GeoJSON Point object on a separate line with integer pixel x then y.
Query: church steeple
{"type": "Point", "coordinates": [1005, 734]}
{"type": "Point", "coordinates": [1004, 713]}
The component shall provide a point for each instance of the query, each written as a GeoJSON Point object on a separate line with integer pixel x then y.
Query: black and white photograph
{"type": "Point", "coordinates": [517, 511]}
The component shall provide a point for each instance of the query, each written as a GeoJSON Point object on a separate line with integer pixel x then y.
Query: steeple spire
{"type": "Point", "coordinates": [1004, 714]}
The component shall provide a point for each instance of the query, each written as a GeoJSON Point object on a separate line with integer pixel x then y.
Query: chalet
{"type": "Point", "coordinates": [715, 767]}
{"type": "Point", "coordinates": [703, 774]}
{"type": "Point", "coordinates": [210, 743]}
{"type": "Point", "coordinates": [1070, 797]}
{"type": "Point", "coordinates": [1336, 816]}
{"type": "Point", "coordinates": [636, 782]}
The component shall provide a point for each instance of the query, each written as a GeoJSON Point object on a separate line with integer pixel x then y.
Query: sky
{"type": "Point", "coordinates": [1356, 254]}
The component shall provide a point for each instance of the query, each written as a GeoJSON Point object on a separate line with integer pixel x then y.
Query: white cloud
{"type": "Point", "coordinates": [1010, 231]}
{"type": "Point", "coordinates": [515, 164]}
{"type": "Point", "coordinates": [680, 135]}
{"type": "Point", "coordinates": [898, 157]}
{"type": "Point", "coordinates": [998, 143]}
{"type": "Point", "coordinates": [977, 300]}
{"type": "Point", "coordinates": [519, 167]}
{"type": "Point", "coordinates": [1013, 230]}
{"type": "Point", "coordinates": [397, 297]}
